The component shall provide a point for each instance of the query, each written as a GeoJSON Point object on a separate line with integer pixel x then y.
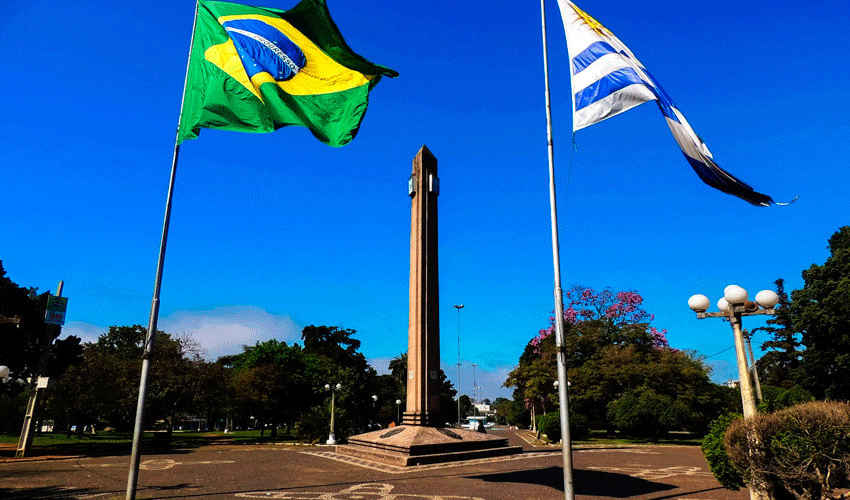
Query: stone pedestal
{"type": "Point", "coordinates": [409, 445]}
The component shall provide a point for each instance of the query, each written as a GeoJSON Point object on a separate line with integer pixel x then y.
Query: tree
{"type": "Point", "coordinates": [448, 403]}
{"type": "Point", "coordinates": [21, 342]}
{"type": "Point", "coordinates": [821, 312]}
{"type": "Point", "coordinates": [398, 368]}
{"type": "Point", "coordinates": [644, 412]}
{"type": "Point", "coordinates": [112, 365]}
{"type": "Point", "coordinates": [276, 383]}
{"type": "Point", "coordinates": [779, 365]}
{"type": "Point", "coordinates": [611, 350]}
{"type": "Point", "coordinates": [340, 362]}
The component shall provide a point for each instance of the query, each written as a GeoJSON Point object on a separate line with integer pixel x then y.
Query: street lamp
{"type": "Point", "coordinates": [398, 406]}
{"type": "Point", "coordinates": [4, 373]}
{"type": "Point", "coordinates": [333, 389]}
{"type": "Point", "coordinates": [474, 365]}
{"type": "Point", "coordinates": [733, 305]}
{"type": "Point", "coordinates": [374, 399]}
{"type": "Point", "coordinates": [458, 307]}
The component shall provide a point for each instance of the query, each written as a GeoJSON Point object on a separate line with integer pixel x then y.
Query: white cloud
{"type": "Point", "coordinates": [381, 365]}
{"type": "Point", "coordinates": [225, 330]}
{"type": "Point", "coordinates": [85, 331]}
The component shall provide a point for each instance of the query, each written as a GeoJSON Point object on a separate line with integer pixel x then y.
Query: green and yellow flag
{"type": "Point", "coordinates": [258, 69]}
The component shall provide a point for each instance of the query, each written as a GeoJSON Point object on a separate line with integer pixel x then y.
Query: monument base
{"type": "Point", "coordinates": [408, 445]}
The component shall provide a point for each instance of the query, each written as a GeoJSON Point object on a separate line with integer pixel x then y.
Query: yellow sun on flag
{"type": "Point", "coordinates": [593, 23]}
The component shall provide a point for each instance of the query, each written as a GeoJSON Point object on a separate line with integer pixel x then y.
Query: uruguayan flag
{"type": "Point", "coordinates": [608, 79]}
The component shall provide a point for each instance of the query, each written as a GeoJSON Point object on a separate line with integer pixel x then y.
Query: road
{"type": "Point", "coordinates": [317, 472]}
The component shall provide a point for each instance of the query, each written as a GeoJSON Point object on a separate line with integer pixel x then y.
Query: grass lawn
{"type": "Point", "coordinates": [121, 442]}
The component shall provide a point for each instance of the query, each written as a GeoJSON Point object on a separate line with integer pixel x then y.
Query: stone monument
{"type": "Point", "coordinates": [422, 437]}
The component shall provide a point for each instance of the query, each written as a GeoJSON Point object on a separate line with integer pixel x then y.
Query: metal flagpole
{"type": "Point", "coordinates": [138, 431]}
{"type": "Point", "coordinates": [563, 399]}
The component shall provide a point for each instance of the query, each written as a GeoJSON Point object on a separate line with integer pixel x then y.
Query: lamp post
{"type": "Point", "coordinates": [474, 365]}
{"type": "Point", "coordinates": [458, 307]}
{"type": "Point", "coordinates": [374, 399]}
{"type": "Point", "coordinates": [333, 389]}
{"type": "Point", "coordinates": [398, 407]}
{"type": "Point", "coordinates": [4, 373]}
{"type": "Point", "coordinates": [733, 305]}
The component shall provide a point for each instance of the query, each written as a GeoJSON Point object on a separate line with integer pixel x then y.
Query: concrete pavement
{"type": "Point", "coordinates": [318, 472]}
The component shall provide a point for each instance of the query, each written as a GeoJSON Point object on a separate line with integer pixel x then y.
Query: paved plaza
{"type": "Point", "coordinates": [318, 472]}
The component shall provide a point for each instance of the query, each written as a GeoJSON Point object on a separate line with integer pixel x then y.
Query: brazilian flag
{"type": "Point", "coordinates": [259, 69]}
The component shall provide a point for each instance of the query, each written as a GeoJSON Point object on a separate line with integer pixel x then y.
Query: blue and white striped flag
{"type": "Point", "coordinates": [608, 79]}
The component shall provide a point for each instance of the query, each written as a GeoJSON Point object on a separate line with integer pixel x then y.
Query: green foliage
{"type": "Point", "coordinates": [611, 350]}
{"type": "Point", "coordinates": [715, 453]}
{"type": "Point", "coordinates": [775, 398]}
{"type": "Point", "coordinates": [822, 316]}
{"type": "Point", "coordinates": [794, 396]}
{"type": "Point", "coordinates": [550, 424]}
{"type": "Point", "coordinates": [644, 412]}
{"type": "Point", "coordinates": [20, 344]}
{"type": "Point", "coordinates": [803, 450]}
{"type": "Point", "coordinates": [779, 365]}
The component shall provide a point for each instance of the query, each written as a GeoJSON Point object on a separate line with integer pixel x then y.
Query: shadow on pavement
{"type": "Point", "coordinates": [585, 482]}
{"type": "Point", "coordinates": [52, 492]}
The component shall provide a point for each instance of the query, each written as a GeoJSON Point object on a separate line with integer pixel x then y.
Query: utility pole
{"type": "Point", "coordinates": [753, 365]}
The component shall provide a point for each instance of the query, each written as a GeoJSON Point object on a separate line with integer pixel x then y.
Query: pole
{"type": "Point", "coordinates": [332, 439]}
{"type": "Point", "coordinates": [753, 365]}
{"type": "Point", "coordinates": [563, 398]}
{"type": "Point", "coordinates": [34, 406]}
{"type": "Point", "coordinates": [743, 372]}
{"type": "Point", "coordinates": [750, 411]}
{"type": "Point", "coordinates": [458, 307]}
{"type": "Point", "coordinates": [474, 365]}
{"type": "Point", "coordinates": [138, 430]}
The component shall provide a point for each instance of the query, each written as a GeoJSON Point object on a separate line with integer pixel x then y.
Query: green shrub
{"type": "Point", "coordinates": [644, 412]}
{"type": "Point", "coordinates": [550, 424]}
{"type": "Point", "coordinates": [579, 426]}
{"type": "Point", "coordinates": [794, 396]}
{"type": "Point", "coordinates": [715, 453]}
{"type": "Point", "coordinates": [803, 450]}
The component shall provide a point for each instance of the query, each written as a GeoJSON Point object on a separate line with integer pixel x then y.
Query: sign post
{"type": "Point", "coordinates": [54, 317]}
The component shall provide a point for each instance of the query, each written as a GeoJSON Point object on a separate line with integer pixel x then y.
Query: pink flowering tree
{"type": "Point", "coordinates": [611, 352]}
{"type": "Point", "coordinates": [619, 314]}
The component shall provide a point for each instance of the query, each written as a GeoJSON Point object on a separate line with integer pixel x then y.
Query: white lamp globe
{"type": "Point", "coordinates": [338, 386]}
{"type": "Point", "coordinates": [327, 387]}
{"type": "Point", "coordinates": [735, 294]}
{"type": "Point", "coordinates": [4, 371]}
{"type": "Point", "coordinates": [723, 305]}
{"type": "Point", "coordinates": [767, 298]}
{"type": "Point", "coordinates": [699, 303]}
{"type": "Point", "coordinates": [398, 401]}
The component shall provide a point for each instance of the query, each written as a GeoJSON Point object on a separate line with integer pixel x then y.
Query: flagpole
{"type": "Point", "coordinates": [563, 399]}
{"type": "Point", "coordinates": [138, 430]}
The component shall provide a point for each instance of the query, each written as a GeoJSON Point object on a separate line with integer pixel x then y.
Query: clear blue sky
{"type": "Point", "coordinates": [274, 232]}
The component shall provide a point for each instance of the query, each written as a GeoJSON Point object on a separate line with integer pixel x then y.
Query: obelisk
{"type": "Point", "coordinates": [423, 327]}
{"type": "Point", "coordinates": [423, 438]}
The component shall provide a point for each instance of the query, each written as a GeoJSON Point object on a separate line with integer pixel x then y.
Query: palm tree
{"type": "Point", "coordinates": [398, 370]}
